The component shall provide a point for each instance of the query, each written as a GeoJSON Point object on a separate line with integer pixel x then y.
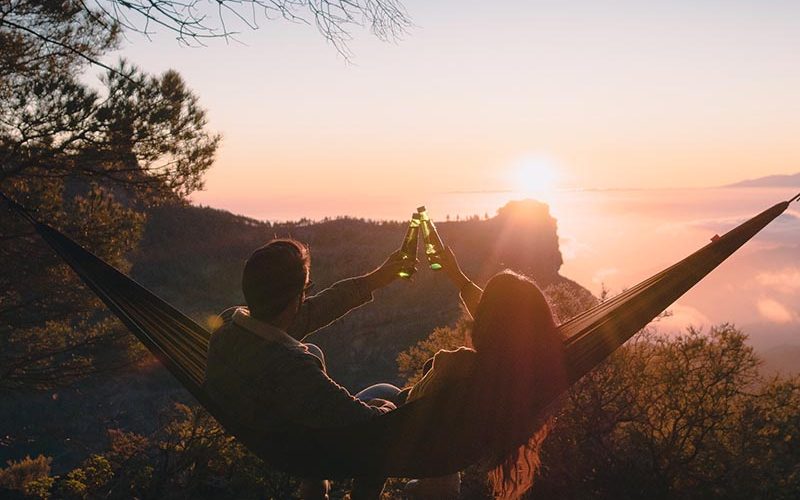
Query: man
{"type": "Point", "coordinates": [260, 370]}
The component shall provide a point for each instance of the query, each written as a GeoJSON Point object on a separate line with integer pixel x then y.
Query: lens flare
{"type": "Point", "coordinates": [536, 177]}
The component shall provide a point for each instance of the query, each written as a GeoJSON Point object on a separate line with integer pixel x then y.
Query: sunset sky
{"type": "Point", "coordinates": [511, 95]}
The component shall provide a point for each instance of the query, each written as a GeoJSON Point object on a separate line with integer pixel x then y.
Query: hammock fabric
{"type": "Point", "coordinates": [433, 436]}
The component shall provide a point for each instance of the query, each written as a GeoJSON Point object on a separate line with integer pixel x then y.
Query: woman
{"type": "Point", "coordinates": [517, 353]}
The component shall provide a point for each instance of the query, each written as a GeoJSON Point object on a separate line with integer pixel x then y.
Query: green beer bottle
{"type": "Point", "coordinates": [408, 251]}
{"type": "Point", "coordinates": [433, 243]}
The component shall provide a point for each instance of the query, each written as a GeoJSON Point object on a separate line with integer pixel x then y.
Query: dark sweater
{"type": "Point", "coordinates": [268, 380]}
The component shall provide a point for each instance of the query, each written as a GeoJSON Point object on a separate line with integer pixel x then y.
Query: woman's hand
{"type": "Point", "coordinates": [470, 292]}
{"type": "Point", "coordinates": [452, 269]}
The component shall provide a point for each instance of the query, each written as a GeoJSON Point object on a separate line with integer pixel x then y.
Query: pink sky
{"type": "Point", "coordinates": [483, 102]}
{"type": "Point", "coordinates": [612, 94]}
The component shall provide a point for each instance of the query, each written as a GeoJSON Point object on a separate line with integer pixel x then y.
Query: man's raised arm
{"type": "Point", "coordinates": [342, 297]}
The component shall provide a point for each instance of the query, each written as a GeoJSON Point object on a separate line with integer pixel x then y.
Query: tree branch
{"type": "Point", "coordinates": [73, 50]}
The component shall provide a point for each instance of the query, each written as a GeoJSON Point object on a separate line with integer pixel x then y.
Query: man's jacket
{"type": "Point", "coordinates": [266, 379]}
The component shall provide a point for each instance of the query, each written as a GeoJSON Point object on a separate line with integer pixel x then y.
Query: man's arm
{"type": "Point", "coordinates": [273, 384]}
{"type": "Point", "coordinates": [342, 297]}
{"type": "Point", "coordinates": [307, 396]}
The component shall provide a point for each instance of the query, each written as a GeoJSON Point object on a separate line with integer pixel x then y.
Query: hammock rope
{"type": "Point", "coordinates": [433, 436]}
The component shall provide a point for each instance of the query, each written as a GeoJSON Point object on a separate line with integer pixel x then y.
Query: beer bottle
{"type": "Point", "coordinates": [408, 251]}
{"type": "Point", "coordinates": [434, 248]}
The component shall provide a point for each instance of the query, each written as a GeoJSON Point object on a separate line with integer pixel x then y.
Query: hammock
{"type": "Point", "coordinates": [433, 436]}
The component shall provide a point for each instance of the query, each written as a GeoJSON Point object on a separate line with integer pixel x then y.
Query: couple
{"type": "Point", "coordinates": [261, 372]}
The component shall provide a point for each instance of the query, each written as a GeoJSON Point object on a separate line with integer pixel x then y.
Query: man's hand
{"type": "Point", "coordinates": [387, 272]}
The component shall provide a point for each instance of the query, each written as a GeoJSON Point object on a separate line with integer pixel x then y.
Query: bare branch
{"type": "Point", "coordinates": [73, 50]}
{"type": "Point", "coordinates": [193, 21]}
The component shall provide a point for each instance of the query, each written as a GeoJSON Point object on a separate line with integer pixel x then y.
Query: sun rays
{"type": "Point", "coordinates": [536, 177]}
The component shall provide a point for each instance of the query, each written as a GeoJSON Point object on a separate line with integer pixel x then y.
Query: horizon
{"type": "Point", "coordinates": [512, 195]}
{"type": "Point", "coordinates": [587, 95]}
{"type": "Point", "coordinates": [612, 239]}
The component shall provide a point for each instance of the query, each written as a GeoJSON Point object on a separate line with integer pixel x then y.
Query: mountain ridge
{"type": "Point", "coordinates": [192, 257]}
{"type": "Point", "coordinates": [780, 180]}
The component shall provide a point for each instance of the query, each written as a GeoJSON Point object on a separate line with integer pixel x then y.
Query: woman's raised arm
{"type": "Point", "coordinates": [469, 291]}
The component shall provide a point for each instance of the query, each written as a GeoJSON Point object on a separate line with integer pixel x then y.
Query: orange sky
{"type": "Point", "coordinates": [611, 94]}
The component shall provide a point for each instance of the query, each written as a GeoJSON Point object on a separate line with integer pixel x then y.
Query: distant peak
{"type": "Point", "coordinates": [524, 209]}
{"type": "Point", "coordinates": [790, 180]}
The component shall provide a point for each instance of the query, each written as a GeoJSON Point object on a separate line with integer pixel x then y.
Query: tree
{"type": "Point", "coordinates": [89, 161]}
{"type": "Point", "coordinates": [194, 22]}
{"type": "Point", "coordinates": [411, 361]}
{"type": "Point", "coordinates": [188, 457]}
{"type": "Point", "coordinates": [334, 20]}
{"type": "Point", "coordinates": [29, 476]}
{"type": "Point", "coordinates": [685, 416]}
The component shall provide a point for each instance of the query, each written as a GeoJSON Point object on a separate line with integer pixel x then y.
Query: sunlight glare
{"type": "Point", "coordinates": [536, 177]}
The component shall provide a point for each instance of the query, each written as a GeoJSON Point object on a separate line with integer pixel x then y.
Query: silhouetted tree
{"type": "Point", "coordinates": [88, 161]}
{"type": "Point", "coordinates": [193, 22]}
{"type": "Point", "coordinates": [685, 416]}
{"type": "Point", "coordinates": [29, 477]}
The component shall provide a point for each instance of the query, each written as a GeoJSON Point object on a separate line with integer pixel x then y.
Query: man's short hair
{"type": "Point", "coordinates": [274, 275]}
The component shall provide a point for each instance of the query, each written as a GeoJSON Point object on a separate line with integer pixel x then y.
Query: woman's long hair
{"type": "Point", "coordinates": [520, 354]}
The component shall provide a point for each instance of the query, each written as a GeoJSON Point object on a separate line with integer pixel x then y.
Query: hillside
{"type": "Point", "coordinates": [192, 257]}
{"type": "Point", "coordinates": [792, 180]}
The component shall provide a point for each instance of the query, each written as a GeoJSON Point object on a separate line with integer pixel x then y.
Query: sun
{"type": "Point", "coordinates": [535, 177]}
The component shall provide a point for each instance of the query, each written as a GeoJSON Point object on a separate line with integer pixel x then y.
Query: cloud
{"type": "Point", "coordinates": [680, 317]}
{"type": "Point", "coordinates": [774, 311]}
{"type": "Point", "coordinates": [601, 275]}
{"type": "Point", "coordinates": [782, 231]}
{"type": "Point", "coordinates": [570, 248]}
{"type": "Point", "coordinates": [786, 280]}
{"type": "Point", "coordinates": [717, 224]}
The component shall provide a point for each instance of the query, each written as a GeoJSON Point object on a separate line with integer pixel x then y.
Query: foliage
{"type": "Point", "coordinates": [567, 300]}
{"type": "Point", "coordinates": [30, 476]}
{"type": "Point", "coordinates": [87, 481]}
{"type": "Point", "coordinates": [88, 161]}
{"type": "Point", "coordinates": [411, 361]}
{"type": "Point", "coordinates": [190, 457]}
{"type": "Point", "coordinates": [687, 416]}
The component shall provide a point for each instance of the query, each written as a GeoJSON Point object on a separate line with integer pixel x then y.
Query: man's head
{"type": "Point", "coordinates": [275, 277]}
